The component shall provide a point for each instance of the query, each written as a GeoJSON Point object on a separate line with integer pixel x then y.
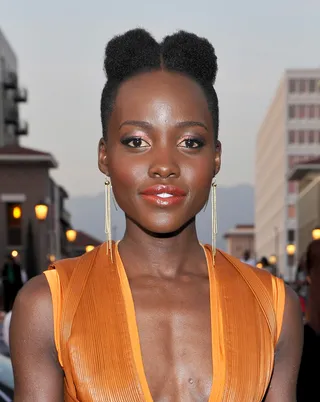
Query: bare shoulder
{"type": "Point", "coordinates": [288, 352]}
{"type": "Point", "coordinates": [33, 312]}
{"type": "Point", "coordinates": [32, 344]}
{"type": "Point", "coordinates": [292, 327]}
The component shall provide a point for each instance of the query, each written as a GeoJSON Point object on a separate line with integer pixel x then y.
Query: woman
{"type": "Point", "coordinates": [157, 317]}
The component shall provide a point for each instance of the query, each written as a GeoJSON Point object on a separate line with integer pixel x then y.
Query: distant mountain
{"type": "Point", "coordinates": [235, 205]}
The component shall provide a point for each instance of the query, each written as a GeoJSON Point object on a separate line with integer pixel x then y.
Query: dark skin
{"type": "Point", "coordinates": [160, 132]}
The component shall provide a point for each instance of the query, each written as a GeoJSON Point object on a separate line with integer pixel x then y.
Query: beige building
{"type": "Point", "coordinates": [308, 202]}
{"type": "Point", "coordinates": [289, 135]}
{"type": "Point", "coordinates": [239, 240]}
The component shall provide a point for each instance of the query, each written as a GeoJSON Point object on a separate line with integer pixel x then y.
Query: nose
{"type": "Point", "coordinates": [164, 165]}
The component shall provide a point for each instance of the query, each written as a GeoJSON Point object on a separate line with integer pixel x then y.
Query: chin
{"type": "Point", "coordinates": [163, 226]}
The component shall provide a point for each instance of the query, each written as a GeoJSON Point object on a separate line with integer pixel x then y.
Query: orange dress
{"type": "Point", "coordinates": [97, 339]}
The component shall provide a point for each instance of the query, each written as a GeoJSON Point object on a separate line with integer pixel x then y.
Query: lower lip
{"type": "Point", "coordinates": [163, 202]}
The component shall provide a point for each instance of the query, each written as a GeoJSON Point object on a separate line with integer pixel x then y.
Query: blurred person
{"type": "Point", "coordinates": [157, 316]}
{"type": "Point", "coordinates": [247, 258]}
{"type": "Point", "coordinates": [11, 281]}
{"type": "Point", "coordinates": [301, 283]}
{"type": "Point", "coordinates": [266, 265]}
{"type": "Point", "coordinates": [308, 388]}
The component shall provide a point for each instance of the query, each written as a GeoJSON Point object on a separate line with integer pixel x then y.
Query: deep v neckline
{"type": "Point", "coordinates": [217, 336]}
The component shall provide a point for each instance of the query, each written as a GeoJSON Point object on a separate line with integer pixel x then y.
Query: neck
{"type": "Point", "coordinates": [167, 256]}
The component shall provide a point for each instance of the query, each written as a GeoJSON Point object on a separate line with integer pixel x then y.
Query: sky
{"type": "Point", "coordinates": [60, 47]}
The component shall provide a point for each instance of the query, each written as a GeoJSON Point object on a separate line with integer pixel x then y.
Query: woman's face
{"type": "Point", "coordinates": [160, 152]}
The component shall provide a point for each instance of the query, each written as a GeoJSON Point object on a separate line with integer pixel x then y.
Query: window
{"type": "Point", "coordinates": [292, 187]}
{"type": "Point", "coordinates": [291, 137]}
{"type": "Point", "coordinates": [311, 111]}
{"type": "Point", "coordinates": [291, 161]}
{"type": "Point", "coordinates": [302, 86]}
{"type": "Point", "coordinates": [312, 86]}
{"type": "Point", "coordinates": [301, 137]}
{"type": "Point", "coordinates": [291, 211]}
{"type": "Point", "coordinates": [311, 137]}
{"type": "Point", "coordinates": [14, 224]}
{"type": "Point", "coordinates": [302, 111]}
{"type": "Point", "coordinates": [291, 236]}
{"type": "Point", "coordinates": [292, 111]}
{"type": "Point", "coordinates": [292, 86]}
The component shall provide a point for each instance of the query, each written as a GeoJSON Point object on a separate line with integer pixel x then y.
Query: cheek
{"type": "Point", "coordinates": [200, 174]}
{"type": "Point", "coordinates": [125, 174]}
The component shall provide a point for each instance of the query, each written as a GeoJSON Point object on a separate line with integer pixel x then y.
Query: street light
{"type": "Point", "coordinates": [316, 234]}
{"type": "Point", "coordinates": [89, 248]}
{"type": "Point", "coordinates": [16, 212]}
{"type": "Point", "coordinates": [71, 235]}
{"type": "Point", "coordinates": [273, 259]}
{"type": "Point", "coordinates": [291, 249]}
{"type": "Point", "coordinates": [41, 210]}
{"type": "Point", "coordinates": [14, 253]}
{"type": "Point", "coordinates": [52, 258]}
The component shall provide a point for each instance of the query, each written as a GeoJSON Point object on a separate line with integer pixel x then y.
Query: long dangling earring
{"type": "Point", "coordinates": [107, 192]}
{"type": "Point", "coordinates": [214, 220]}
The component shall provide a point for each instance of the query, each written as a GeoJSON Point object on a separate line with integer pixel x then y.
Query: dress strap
{"type": "Point", "coordinates": [53, 279]}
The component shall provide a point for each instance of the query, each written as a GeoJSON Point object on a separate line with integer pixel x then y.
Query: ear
{"type": "Point", "coordinates": [217, 157]}
{"type": "Point", "coordinates": [102, 157]}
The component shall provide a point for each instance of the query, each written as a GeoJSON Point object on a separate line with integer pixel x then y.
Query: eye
{"type": "Point", "coordinates": [191, 143]}
{"type": "Point", "coordinates": [135, 142]}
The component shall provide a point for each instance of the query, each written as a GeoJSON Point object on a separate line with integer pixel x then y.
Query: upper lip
{"type": "Point", "coordinates": [162, 188]}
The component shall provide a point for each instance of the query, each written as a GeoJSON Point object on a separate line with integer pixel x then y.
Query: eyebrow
{"type": "Point", "coordinates": [145, 124]}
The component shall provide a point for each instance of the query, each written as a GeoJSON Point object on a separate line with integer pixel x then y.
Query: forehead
{"type": "Point", "coordinates": [161, 94]}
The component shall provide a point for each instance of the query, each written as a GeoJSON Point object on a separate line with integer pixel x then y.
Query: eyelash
{"type": "Point", "coordinates": [126, 141]}
{"type": "Point", "coordinates": [200, 143]}
{"type": "Point", "coordinates": [197, 141]}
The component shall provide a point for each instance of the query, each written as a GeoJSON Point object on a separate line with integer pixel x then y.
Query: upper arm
{"type": "Point", "coordinates": [288, 353]}
{"type": "Point", "coordinates": [37, 373]}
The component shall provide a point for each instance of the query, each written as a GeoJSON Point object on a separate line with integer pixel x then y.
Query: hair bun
{"type": "Point", "coordinates": [185, 51]}
{"type": "Point", "coordinates": [127, 53]}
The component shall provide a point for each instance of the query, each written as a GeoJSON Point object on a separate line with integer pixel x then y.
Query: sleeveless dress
{"type": "Point", "coordinates": [97, 338]}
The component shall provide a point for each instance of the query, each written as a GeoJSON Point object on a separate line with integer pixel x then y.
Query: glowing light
{"type": "Point", "coordinates": [316, 234]}
{"type": "Point", "coordinates": [89, 248]}
{"type": "Point", "coordinates": [41, 211]}
{"type": "Point", "coordinates": [71, 235]}
{"type": "Point", "coordinates": [52, 258]}
{"type": "Point", "coordinates": [291, 249]}
{"type": "Point", "coordinates": [273, 259]}
{"type": "Point", "coordinates": [16, 212]}
{"type": "Point", "coordinates": [259, 265]}
{"type": "Point", "coordinates": [14, 253]}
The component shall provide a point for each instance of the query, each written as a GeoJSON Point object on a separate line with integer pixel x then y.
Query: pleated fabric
{"type": "Point", "coordinates": [97, 338]}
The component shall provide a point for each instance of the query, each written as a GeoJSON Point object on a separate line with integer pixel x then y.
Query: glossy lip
{"type": "Point", "coordinates": [153, 194]}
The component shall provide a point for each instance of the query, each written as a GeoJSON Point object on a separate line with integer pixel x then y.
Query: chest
{"type": "Point", "coordinates": [174, 326]}
{"type": "Point", "coordinates": [176, 341]}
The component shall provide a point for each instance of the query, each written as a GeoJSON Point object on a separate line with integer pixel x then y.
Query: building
{"type": "Point", "coordinates": [289, 135]}
{"type": "Point", "coordinates": [240, 239]}
{"type": "Point", "coordinates": [26, 183]}
{"type": "Point", "coordinates": [11, 127]}
{"type": "Point", "coordinates": [82, 244]}
{"type": "Point", "coordinates": [308, 202]}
